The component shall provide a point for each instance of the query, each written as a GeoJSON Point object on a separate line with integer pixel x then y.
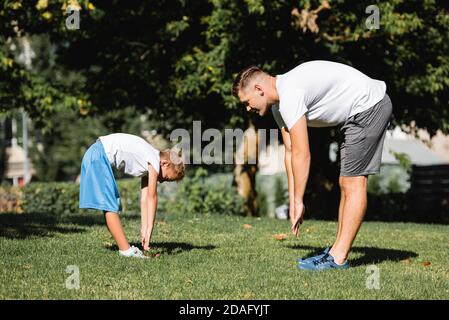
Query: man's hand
{"type": "Point", "coordinates": [300, 168]}
{"type": "Point", "coordinates": [145, 239]}
{"type": "Point", "coordinates": [298, 217]}
{"type": "Point", "coordinates": [292, 213]}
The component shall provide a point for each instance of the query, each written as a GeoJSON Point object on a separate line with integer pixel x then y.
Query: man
{"type": "Point", "coordinates": [323, 94]}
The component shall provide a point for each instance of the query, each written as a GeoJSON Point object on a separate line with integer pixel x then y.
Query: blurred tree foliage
{"type": "Point", "coordinates": [178, 58]}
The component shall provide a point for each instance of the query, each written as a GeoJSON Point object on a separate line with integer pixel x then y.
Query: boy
{"type": "Point", "coordinates": [136, 157]}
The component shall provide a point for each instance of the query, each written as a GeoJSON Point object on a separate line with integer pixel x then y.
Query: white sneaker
{"type": "Point", "coordinates": [132, 252]}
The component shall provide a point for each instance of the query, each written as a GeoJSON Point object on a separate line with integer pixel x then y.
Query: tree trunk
{"type": "Point", "coordinates": [245, 170]}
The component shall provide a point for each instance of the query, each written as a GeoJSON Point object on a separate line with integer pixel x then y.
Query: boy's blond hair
{"type": "Point", "coordinates": [176, 158]}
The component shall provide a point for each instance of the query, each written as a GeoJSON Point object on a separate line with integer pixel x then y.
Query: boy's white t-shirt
{"type": "Point", "coordinates": [130, 154]}
{"type": "Point", "coordinates": [326, 92]}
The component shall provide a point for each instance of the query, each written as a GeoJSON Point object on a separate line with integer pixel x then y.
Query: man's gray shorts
{"type": "Point", "coordinates": [364, 134]}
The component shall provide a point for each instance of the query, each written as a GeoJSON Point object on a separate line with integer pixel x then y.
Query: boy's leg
{"type": "Point", "coordinates": [355, 193]}
{"type": "Point", "coordinates": [115, 228]}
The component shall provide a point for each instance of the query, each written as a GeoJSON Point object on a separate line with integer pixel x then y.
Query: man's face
{"type": "Point", "coordinates": [254, 99]}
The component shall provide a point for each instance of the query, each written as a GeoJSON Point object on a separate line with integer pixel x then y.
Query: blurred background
{"type": "Point", "coordinates": [71, 71]}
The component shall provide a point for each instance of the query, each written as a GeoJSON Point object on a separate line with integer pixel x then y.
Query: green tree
{"type": "Point", "coordinates": [178, 58]}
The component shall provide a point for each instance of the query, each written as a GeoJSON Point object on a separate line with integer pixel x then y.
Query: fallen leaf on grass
{"type": "Point", "coordinates": [280, 236]}
{"type": "Point", "coordinates": [425, 263]}
{"type": "Point", "coordinates": [247, 226]}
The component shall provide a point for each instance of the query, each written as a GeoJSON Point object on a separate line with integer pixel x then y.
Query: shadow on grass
{"type": "Point", "coordinates": [168, 248]}
{"type": "Point", "coordinates": [23, 226]}
{"type": "Point", "coordinates": [370, 255]}
{"type": "Point", "coordinates": [373, 255]}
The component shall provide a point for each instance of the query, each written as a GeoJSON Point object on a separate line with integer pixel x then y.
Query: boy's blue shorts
{"type": "Point", "coordinates": [98, 189]}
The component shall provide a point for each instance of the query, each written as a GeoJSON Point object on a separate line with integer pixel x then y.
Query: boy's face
{"type": "Point", "coordinates": [167, 172]}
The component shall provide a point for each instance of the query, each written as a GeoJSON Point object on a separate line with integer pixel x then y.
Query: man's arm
{"type": "Point", "coordinates": [300, 167]}
{"type": "Point", "coordinates": [288, 168]}
{"type": "Point", "coordinates": [148, 205]}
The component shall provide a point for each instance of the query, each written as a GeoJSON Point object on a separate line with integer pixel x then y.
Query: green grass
{"type": "Point", "coordinates": [215, 257]}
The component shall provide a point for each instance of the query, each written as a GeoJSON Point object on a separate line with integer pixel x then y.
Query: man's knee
{"type": "Point", "coordinates": [350, 185]}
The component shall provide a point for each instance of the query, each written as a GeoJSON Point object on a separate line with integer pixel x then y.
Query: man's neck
{"type": "Point", "coordinates": [274, 96]}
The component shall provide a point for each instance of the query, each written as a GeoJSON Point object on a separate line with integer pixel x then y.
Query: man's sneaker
{"type": "Point", "coordinates": [324, 263]}
{"type": "Point", "coordinates": [132, 252]}
{"type": "Point", "coordinates": [307, 260]}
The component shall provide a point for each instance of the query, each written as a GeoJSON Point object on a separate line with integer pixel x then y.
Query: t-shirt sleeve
{"type": "Point", "coordinates": [292, 107]}
{"type": "Point", "coordinates": [153, 159]}
{"type": "Point", "coordinates": [277, 116]}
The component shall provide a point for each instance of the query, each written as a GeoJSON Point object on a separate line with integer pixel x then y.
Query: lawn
{"type": "Point", "coordinates": [216, 257]}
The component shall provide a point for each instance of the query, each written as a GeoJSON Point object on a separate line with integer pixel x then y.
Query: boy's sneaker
{"type": "Point", "coordinates": [324, 263]}
{"type": "Point", "coordinates": [307, 260]}
{"type": "Point", "coordinates": [132, 252]}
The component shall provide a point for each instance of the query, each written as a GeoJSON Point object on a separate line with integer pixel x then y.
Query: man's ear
{"type": "Point", "coordinates": [259, 89]}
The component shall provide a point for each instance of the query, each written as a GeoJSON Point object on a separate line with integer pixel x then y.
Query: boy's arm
{"type": "Point", "coordinates": [288, 167]}
{"type": "Point", "coordinates": [300, 167]}
{"type": "Point", "coordinates": [143, 208]}
{"type": "Point", "coordinates": [148, 203]}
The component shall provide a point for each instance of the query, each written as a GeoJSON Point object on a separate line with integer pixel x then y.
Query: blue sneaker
{"type": "Point", "coordinates": [324, 263]}
{"type": "Point", "coordinates": [307, 260]}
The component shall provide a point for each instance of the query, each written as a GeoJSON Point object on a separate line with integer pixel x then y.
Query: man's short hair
{"type": "Point", "coordinates": [243, 78]}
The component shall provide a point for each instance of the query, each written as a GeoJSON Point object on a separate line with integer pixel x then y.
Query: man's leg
{"type": "Point", "coordinates": [351, 215]}
{"type": "Point", "coordinates": [115, 228]}
{"type": "Point", "coordinates": [340, 212]}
